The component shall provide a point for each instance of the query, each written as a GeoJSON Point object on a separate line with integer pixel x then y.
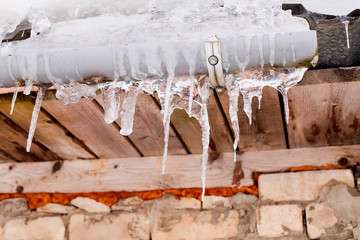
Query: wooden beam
{"type": "Point", "coordinates": [266, 131]}
{"type": "Point", "coordinates": [48, 133]}
{"type": "Point", "coordinates": [324, 114]}
{"type": "Point", "coordinates": [85, 120]}
{"type": "Point", "coordinates": [139, 174]}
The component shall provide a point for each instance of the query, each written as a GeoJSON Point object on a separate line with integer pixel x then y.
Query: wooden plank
{"type": "Point", "coordinates": [85, 120]}
{"type": "Point", "coordinates": [219, 130]}
{"type": "Point", "coordinates": [282, 160]}
{"type": "Point", "coordinates": [331, 75]}
{"type": "Point", "coordinates": [266, 131]}
{"type": "Point", "coordinates": [148, 130]}
{"type": "Point", "coordinates": [47, 132]}
{"type": "Point", "coordinates": [13, 143]}
{"type": "Point", "coordinates": [324, 114]}
{"type": "Point", "coordinates": [189, 130]}
{"type": "Point", "coordinates": [137, 174]}
{"type": "Point", "coordinates": [130, 174]}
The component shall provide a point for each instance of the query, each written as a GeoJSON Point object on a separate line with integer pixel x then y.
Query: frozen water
{"type": "Point", "coordinates": [128, 111]}
{"type": "Point", "coordinates": [35, 115]}
{"type": "Point", "coordinates": [17, 85]}
{"type": "Point", "coordinates": [112, 104]}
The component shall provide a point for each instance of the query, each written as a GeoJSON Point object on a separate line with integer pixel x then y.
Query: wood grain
{"type": "Point", "coordinates": [137, 174]}
{"type": "Point", "coordinates": [47, 132]}
{"type": "Point", "coordinates": [266, 131]}
{"type": "Point", "coordinates": [282, 160]}
{"type": "Point", "coordinates": [324, 115]}
{"type": "Point", "coordinates": [130, 174]}
{"type": "Point", "coordinates": [148, 130]}
{"type": "Point", "coordinates": [13, 143]}
{"type": "Point", "coordinates": [85, 120]}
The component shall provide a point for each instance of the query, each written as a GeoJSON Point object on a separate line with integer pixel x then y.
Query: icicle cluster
{"type": "Point", "coordinates": [174, 45]}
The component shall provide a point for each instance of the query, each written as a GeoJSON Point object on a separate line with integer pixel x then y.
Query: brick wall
{"type": "Point", "coordinates": [302, 205]}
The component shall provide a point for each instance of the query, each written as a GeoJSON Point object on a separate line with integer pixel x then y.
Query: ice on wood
{"type": "Point", "coordinates": [156, 48]}
{"type": "Point", "coordinates": [35, 115]}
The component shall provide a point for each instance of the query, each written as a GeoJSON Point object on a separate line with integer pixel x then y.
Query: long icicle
{"type": "Point", "coordinates": [35, 115]}
{"type": "Point", "coordinates": [17, 85]}
{"type": "Point", "coordinates": [166, 119]}
{"type": "Point", "coordinates": [205, 129]}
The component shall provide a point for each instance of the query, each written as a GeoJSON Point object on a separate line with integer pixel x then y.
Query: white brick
{"type": "Point", "coordinates": [319, 216]}
{"type": "Point", "coordinates": [128, 204]}
{"type": "Point", "coordinates": [55, 208]}
{"type": "Point", "coordinates": [195, 225]}
{"type": "Point", "coordinates": [13, 207]}
{"type": "Point", "coordinates": [215, 201]}
{"type": "Point", "coordinates": [301, 186]}
{"type": "Point", "coordinates": [279, 220]}
{"type": "Point", "coordinates": [44, 228]}
{"type": "Point", "coordinates": [124, 226]}
{"type": "Point", "coordinates": [90, 205]}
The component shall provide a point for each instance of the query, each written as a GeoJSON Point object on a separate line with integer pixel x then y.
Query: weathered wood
{"type": "Point", "coordinates": [130, 174]}
{"type": "Point", "coordinates": [137, 174]}
{"type": "Point", "coordinates": [148, 130]}
{"type": "Point", "coordinates": [85, 120]}
{"type": "Point", "coordinates": [13, 143]}
{"type": "Point", "coordinates": [219, 130]}
{"type": "Point", "coordinates": [266, 131]}
{"type": "Point", "coordinates": [331, 75]}
{"type": "Point", "coordinates": [47, 132]}
{"type": "Point", "coordinates": [282, 160]}
{"type": "Point", "coordinates": [324, 114]}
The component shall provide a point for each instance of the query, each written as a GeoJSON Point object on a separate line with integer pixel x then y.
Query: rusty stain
{"type": "Point", "coordinates": [11, 167]}
{"type": "Point", "coordinates": [238, 173]}
{"type": "Point", "coordinates": [312, 168]}
{"type": "Point", "coordinates": [101, 165]}
{"type": "Point", "coordinates": [158, 161]}
{"type": "Point", "coordinates": [334, 126]}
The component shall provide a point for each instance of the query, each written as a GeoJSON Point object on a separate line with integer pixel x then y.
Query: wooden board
{"type": "Point", "coordinates": [47, 132]}
{"type": "Point", "coordinates": [13, 142]}
{"type": "Point", "coordinates": [137, 174]}
{"type": "Point", "coordinates": [148, 130]}
{"type": "Point", "coordinates": [219, 127]}
{"type": "Point", "coordinates": [266, 131]}
{"type": "Point", "coordinates": [324, 114]}
{"type": "Point", "coordinates": [86, 121]}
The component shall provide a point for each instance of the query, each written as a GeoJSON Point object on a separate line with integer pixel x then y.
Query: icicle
{"type": "Point", "coordinates": [35, 115]}
{"type": "Point", "coordinates": [205, 130]}
{"type": "Point", "coordinates": [233, 92]}
{"type": "Point", "coordinates": [153, 61]}
{"type": "Point", "coordinates": [17, 85]}
{"type": "Point", "coordinates": [190, 55]}
{"type": "Point", "coordinates": [272, 48]}
{"type": "Point", "coordinates": [166, 118]}
{"type": "Point", "coordinates": [261, 51]}
{"type": "Point", "coordinates": [171, 59]}
{"type": "Point", "coordinates": [346, 23]}
{"type": "Point", "coordinates": [133, 55]}
{"type": "Point", "coordinates": [28, 86]}
{"type": "Point", "coordinates": [111, 104]}
{"type": "Point", "coordinates": [128, 111]}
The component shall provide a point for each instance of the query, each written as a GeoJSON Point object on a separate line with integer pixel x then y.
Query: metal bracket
{"type": "Point", "coordinates": [214, 62]}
